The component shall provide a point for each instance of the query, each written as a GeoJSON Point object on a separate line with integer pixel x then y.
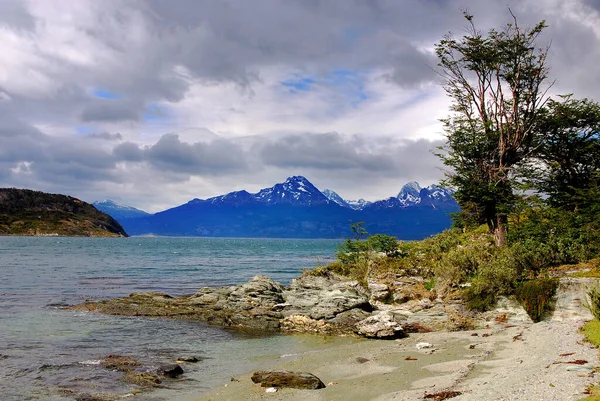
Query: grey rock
{"type": "Point", "coordinates": [170, 370]}
{"type": "Point", "coordinates": [572, 300]}
{"type": "Point", "coordinates": [323, 297]}
{"type": "Point", "coordinates": [378, 292]}
{"type": "Point", "coordinates": [286, 378]}
{"type": "Point", "coordinates": [381, 325]}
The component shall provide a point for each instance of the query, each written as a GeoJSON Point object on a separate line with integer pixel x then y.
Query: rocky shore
{"type": "Point", "coordinates": [330, 304]}
{"type": "Point", "coordinates": [454, 347]}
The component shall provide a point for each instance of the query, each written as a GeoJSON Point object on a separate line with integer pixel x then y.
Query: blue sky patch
{"type": "Point", "coordinates": [350, 83]}
{"type": "Point", "coordinates": [104, 94]}
{"type": "Point", "coordinates": [83, 130]}
{"type": "Point", "coordinates": [155, 113]}
{"type": "Point", "coordinates": [299, 84]}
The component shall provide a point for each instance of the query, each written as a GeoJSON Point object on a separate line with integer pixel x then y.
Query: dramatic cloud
{"type": "Point", "coordinates": [154, 102]}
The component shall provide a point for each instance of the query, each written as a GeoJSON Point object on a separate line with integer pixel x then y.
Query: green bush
{"type": "Point", "coordinates": [594, 295]}
{"type": "Point", "coordinates": [536, 296]}
{"type": "Point", "coordinates": [497, 277]}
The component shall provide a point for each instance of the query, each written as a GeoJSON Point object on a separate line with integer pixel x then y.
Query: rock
{"type": "Point", "coordinates": [324, 297]}
{"type": "Point", "coordinates": [360, 359]}
{"type": "Point", "coordinates": [143, 379]}
{"type": "Point", "coordinates": [378, 292]}
{"type": "Point", "coordinates": [409, 288]}
{"type": "Point", "coordinates": [286, 378]}
{"type": "Point", "coordinates": [509, 311]}
{"type": "Point", "coordinates": [188, 359]}
{"type": "Point", "coordinates": [170, 370]}
{"type": "Point", "coordinates": [571, 299]}
{"type": "Point", "coordinates": [120, 363]}
{"type": "Point", "coordinates": [260, 290]}
{"type": "Point", "coordinates": [345, 322]}
{"type": "Point", "coordinates": [424, 345]}
{"type": "Point", "coordinates": [271, 390]}
{"type": "Point", "coordinates": [305, 324]}
{"type": "Point", "coordinates": [381, 326]}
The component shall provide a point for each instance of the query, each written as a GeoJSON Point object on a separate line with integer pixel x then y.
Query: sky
{"type": "Point", "coordinates": [153, 103]}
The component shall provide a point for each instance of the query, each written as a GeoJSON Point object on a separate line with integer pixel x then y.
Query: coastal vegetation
{"type": "Point", "coordinates": [27, 212]}
{"type": "Point", "coordinates": [525, 169]}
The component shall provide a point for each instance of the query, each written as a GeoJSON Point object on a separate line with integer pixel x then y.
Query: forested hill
{"type": "Point", "coordinates": [27, 212]}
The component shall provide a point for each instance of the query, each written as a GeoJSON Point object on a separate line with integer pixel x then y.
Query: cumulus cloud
{"type": "Point", "coordinates": [345, 94]}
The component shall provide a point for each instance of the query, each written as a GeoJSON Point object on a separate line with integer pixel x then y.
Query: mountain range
{"type": "Point", "coordinates": [294, 209]}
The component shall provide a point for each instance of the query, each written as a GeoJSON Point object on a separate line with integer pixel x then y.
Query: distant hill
{"type": "Point", "coordinates": [27, 212]}
{"type": "Point", "coordinates": [297, 209]}
{"type": "Point", "coordinates": [117, 211]}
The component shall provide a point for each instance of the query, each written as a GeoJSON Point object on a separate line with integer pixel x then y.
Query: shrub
{"type": "Point", "coordinates": [535, 296]}
{"type": "Point", "coordinates": [497, 277]}
{"type": "Point", "coordinates": [594, 295]}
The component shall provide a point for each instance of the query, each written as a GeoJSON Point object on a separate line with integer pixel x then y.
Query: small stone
{"type": "Point", "coordinates": [360, 359]}
{"type": "Point", "coordinates": [424, 345]}
{"type": "Point", "coordinates": [271, 390]}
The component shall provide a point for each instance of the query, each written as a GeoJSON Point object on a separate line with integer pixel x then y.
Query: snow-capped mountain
{"type": "Point", "coordinates": [296, 208]}
{"type": "Point", "coordinates": [233, 198]}
{"type": "Point", "coordinates": [358, 204]}
{"type": "Point", "coordinates": [410, 194]}
{"type": "Point", "coordinates": [117, 211]}
{"type": "Point", "coordinates": [296, 190]}
{"type": "Point", "coordinates": [334, 197]}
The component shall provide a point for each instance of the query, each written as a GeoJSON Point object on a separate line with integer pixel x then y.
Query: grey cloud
{"type": "Point", "coordinates": [110, 110]}
{"type": "Point", "coordinates": [14, 13]}
{"type": "Point", "coordinates": [51, 158]}
{"type": "Point", "coordinates": [128, 151]}
{"type": "Point", "coordinates": [215, 157]}
{"type": "Point", "coordinates": [324, 151]}
{"type": "Point", "coordinates": [107, 136]}
{"type": "Point", "coordinates": [332, 151]}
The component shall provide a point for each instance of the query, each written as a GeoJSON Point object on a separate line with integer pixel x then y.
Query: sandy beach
{"type": "Point", "coordinates": [525, 362]}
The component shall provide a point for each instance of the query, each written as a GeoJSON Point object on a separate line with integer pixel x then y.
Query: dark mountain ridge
{"type": "Point", "coordinates": [27, 212]}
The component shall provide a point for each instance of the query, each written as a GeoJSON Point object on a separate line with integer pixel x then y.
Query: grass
{"type": "Point", "coordinates": [591, 333]}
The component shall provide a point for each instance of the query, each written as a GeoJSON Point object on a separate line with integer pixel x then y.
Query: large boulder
{"type": "Point", "coordinates": [572, 300]}
{"type": "Point", "coordinates": [381, 325]}
{"type": "Point", "coordinates": [323, 297]}
{"type": "Point", "coordinates": [286, 378]}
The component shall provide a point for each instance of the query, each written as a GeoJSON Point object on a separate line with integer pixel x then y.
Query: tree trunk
{"type": "Point", "coordinates": [500, 230]}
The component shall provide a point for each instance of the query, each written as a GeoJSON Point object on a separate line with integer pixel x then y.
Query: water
{"type": "Point", "coordinates": [49, 353]}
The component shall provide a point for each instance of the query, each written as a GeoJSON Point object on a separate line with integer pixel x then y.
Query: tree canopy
{"type": "Point", "coordinates": [497, 83]}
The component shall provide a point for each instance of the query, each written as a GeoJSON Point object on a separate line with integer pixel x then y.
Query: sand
{"type": "Point", "coordinates": [506, 363]}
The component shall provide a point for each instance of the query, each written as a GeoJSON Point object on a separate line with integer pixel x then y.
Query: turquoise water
{"type": "Point", "coordinates": [48, 353]}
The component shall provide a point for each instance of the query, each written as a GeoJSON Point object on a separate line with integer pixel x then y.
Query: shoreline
{"type": "Point", "coordinates": [523, 362]}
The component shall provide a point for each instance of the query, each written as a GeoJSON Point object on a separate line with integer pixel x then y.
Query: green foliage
{"type": "Point", "coordinates": [594, 295]}
{"type": "Point", "coordinates": [495, 82]}
{"type": "Point", "coordinates": [569, 151]}
{"type": "Point", "coordinates": [384, 243]}
{"type": "Point", "coordinates": [591, 332]}
{"type": "Point", "coordinates": [498, 276]}
{"type": "Point", "coordinates": [535, 296]}
{"type": "Point", "coordinates": [548, 236]}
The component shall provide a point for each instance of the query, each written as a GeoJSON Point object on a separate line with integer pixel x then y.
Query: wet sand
{"type": "Point", "coordinates": [506, 363]}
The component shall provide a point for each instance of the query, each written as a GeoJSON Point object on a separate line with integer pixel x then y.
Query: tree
{"type": "Point", "coordinates": [567, 163]}
{"type": "Point", "coordinates": [496, 83]}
